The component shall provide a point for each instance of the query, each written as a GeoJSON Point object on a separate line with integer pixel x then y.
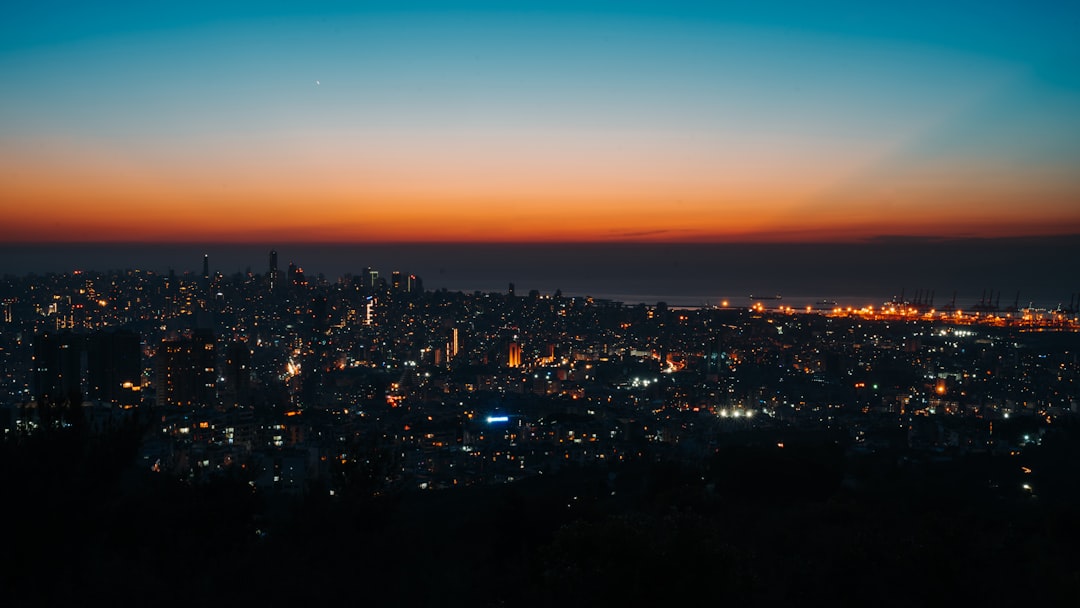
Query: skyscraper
{"type": "Point", "coordinates": [187, 371]}
{"type": "Point", "coordinates": [237, 372]}
{"type": "Point", "coordinates": [513, 355]}
{"type": "Point", "coordinates": [452, 344]}
{"type": "Point", "coordinates": [58, 367]}
{"type": "Point", "coordinates": [106, 366]}
{"type": "Point", "coordinates": [114, 367]}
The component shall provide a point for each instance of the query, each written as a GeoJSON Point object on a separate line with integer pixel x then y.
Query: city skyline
{"type": "Point", "coordinates": [203, 429]}
{"type": "Point", "coordinates": [603, 122]}
{"type": "Point", "coordinates": [1029, 271]}
{"type": "Point", "coordinates": [540, 303]}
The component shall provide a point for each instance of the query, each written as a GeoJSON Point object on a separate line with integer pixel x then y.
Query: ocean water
{"type": "Point", "coordinates": [1044, 272]}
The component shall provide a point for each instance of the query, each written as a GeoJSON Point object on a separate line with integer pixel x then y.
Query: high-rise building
{"type": "Point", "coordinates": [114, 367]}
{"type": "Point", "coordinates": [296, 275]}
{"type": "Point", "coordinates": [206, 267]}
{"type": "Point", "coordinates": [714, 357]}
{"type": "Point", "coordinates": [237, 372]}
{"type": "Point", "coordinates": [369, 310]}
{"type": "Point", "coordinates": [105, 366]}
{"type": "Point", "coordinates": [58, 367]}
{"type": "Point", "coordinates": [187, 371]}
{"type": "Point", "coordinates": [395, 281]}
{"type": "Point", "coordinates": [513, 354]}
{"type": "Point", "coordinates": [452, 344]}
{"type": "Point", "coordinates": [319, 309]}
{"type": "Point", "coordinates": [273, 275]}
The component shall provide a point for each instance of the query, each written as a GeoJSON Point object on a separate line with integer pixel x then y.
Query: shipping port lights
{"type": "Point", "coordinates": [1030, 319]}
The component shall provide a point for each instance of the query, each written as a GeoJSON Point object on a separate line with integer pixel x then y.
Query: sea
{"type": "Point", "coordinates": [1028, 272]}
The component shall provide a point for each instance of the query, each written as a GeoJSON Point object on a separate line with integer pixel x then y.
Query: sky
{"type": "Point", "coordinates": [371, 122]}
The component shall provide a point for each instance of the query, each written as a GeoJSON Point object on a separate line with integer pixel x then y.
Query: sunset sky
{"type": "Point", "coordinates": [520, 121]}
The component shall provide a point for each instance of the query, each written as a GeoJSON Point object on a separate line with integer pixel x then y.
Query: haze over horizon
{"type": "Point", "coordinates": [409, 122]}
{"type": "Point", "coordinates": [1041, 271]}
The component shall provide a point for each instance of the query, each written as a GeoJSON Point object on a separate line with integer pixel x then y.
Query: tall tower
{"type": "Point", "coordinates": [206, 267]}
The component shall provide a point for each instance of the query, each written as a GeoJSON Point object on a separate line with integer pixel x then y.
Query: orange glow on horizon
{"type": "Point", "coordinates": [71, 192]}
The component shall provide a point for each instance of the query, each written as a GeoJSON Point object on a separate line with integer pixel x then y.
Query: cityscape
{"type": "Point", "coordinates": [278, 396]}
{"type": "Point", "coordinates": [534, 304]}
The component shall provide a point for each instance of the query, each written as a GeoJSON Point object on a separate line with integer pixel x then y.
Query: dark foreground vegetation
{"type": "Point", "coordinates": [755, 524]}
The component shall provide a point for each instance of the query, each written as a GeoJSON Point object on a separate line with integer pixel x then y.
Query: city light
{"type": "Point", "coordinates": [417, 304]}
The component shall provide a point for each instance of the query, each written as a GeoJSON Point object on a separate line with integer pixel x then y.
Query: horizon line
{"type": "Point", "coordinates": [870, 240]}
